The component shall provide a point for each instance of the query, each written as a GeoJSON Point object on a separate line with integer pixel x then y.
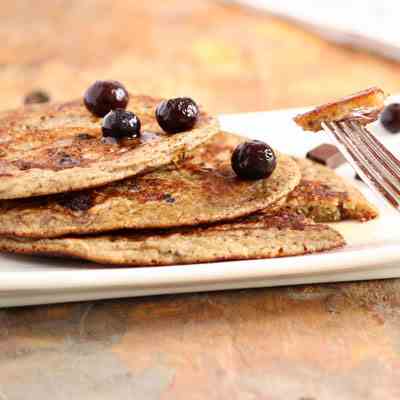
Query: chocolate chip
{"type": "Point", "coordinates": [66, 161]}
{"type": "Point", "coordinates": [84, 136]}
{"type": "Point", "coordinates": [23, 165]}
{"type": "Point", "coordinates": [134, 187]}
{"type": "Point", "coordinates": [36, 97]}
{"type": "Point", "coordinates": [169, 198]}
{"type": "Point", "coordinates": [327, 154]}
{"type": "Point", "coordinates": [76, 201]}
{"type": "Point", "coordinates": [358, 177]}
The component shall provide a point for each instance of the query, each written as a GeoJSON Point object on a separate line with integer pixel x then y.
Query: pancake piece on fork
{"type": "Point", "coordinates": [364, 106]}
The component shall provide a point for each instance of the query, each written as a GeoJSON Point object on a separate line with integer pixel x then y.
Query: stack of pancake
{"type": "Point", "coordinates": [65, 190]}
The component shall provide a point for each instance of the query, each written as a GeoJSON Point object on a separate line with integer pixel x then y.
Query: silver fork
{"type": "Point", "coordinates": [375, 164]}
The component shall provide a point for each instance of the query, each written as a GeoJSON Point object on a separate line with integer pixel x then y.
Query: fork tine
{"type": "Point", "coordinates": [371, 141]}
{"type": "Point", "coordinates": [359, 162]}
{"type": "Point", "coordinates": [376, 158]}
{"type": "Point", "coordinates": [351, 153]}
{"type": "Point", "coordinates": [376, 174]}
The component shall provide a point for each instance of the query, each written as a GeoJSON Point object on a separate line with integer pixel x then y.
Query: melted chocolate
{"type": "Point", "coordinates": [81, 201]}
{"type": "Point", "coordinates": [36, 97]}
{"type": "Point", "coordinates": [84, 136]}
{"type": "Point", "coordinates": [66, 161]}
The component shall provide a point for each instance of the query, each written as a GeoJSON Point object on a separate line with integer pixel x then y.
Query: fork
{"type": "Point", "coordinates": [375, 164]}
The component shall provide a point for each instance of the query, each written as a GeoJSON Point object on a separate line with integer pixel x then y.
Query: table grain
{"type": "Point", "coordinates": [315, 342]}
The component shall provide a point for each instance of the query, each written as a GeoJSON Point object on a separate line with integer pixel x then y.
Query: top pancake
{"type": "Point", "coordinates": [56, 148]}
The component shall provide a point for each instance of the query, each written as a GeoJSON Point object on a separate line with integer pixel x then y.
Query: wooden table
{"type": "Point", "coordinates": [336, 341]}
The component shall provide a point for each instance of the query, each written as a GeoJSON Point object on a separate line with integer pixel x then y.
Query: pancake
{"type": "Point", "coordinates": [55, 148]}
{"type": "Point", "coordinates": [266, 235]}
{"type": "Point", "coordinates": [324, 196]}
{"type": "Point", "coordinates": [363, 106]}
{"type": "Point", "coordinates": [202, 189]}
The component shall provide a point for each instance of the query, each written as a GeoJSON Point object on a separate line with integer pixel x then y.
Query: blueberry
{"type": "Point", "coordinates": [253, 160]}
{"type": "Point", "coordinates": [104, 96]}
{"type": "Point", "coordinates": [120, 124]}
{"type": "Point", "coordinates": [177, 115]}
{"type": "Point", "coordinates": [390, 117]}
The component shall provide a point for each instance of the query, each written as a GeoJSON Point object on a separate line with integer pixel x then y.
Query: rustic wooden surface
{"type": "Point", "coordinates": [336, 341]}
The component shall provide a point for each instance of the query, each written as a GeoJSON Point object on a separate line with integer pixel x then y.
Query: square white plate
{"type": "Point", "coordinates": [373, 249]}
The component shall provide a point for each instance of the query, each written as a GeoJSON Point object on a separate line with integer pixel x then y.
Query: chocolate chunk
{"type": "Point", "coordinates": [64, 160]}
{"type": "Point", "coordinates": [169, 198]}
{"type": "Point", "coordinates": [68, 162]}
{"type": "Point", "coordinates": [358, 177]}
{"type": "Point", "coordinates": [36, 97]}
{"type": "Point", "coordinates": [76, 201]}
{"type": "Point", "coordinates": [84, 136]}
{"type": "Point", "coordinates": [134, 187]}
{"type": "Point", "coordinates": [327, 154]}
{"type": "Point", "coordinates": [24, 165]}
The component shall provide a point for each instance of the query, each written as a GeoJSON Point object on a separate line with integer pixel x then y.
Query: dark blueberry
{"type": "Point", "coordinates": [253, 160]}
{"type": "Point", "coordinates": [390, 117]}
{"type": "Point", "coordinates": [36, 97]}
{"type": "Point", "coordinates": [177, 115]}
{"type": "Point", "coordinates": [120, 124]}
{"type": "Point", "coordinates": [76, 201]}
{"type": "Point", "coordinates": [104, 96]}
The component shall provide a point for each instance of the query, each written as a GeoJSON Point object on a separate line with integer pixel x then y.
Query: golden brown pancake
{"type": "Point", "coordinates": [200, 190]}
{"type": "Point", "coordinates": [324, 196]}
{"type": "Point", "coordinates": [266, 235]}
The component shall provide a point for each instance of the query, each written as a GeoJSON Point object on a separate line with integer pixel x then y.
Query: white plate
{"type": "Point", "coordinates": [372, 250]}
